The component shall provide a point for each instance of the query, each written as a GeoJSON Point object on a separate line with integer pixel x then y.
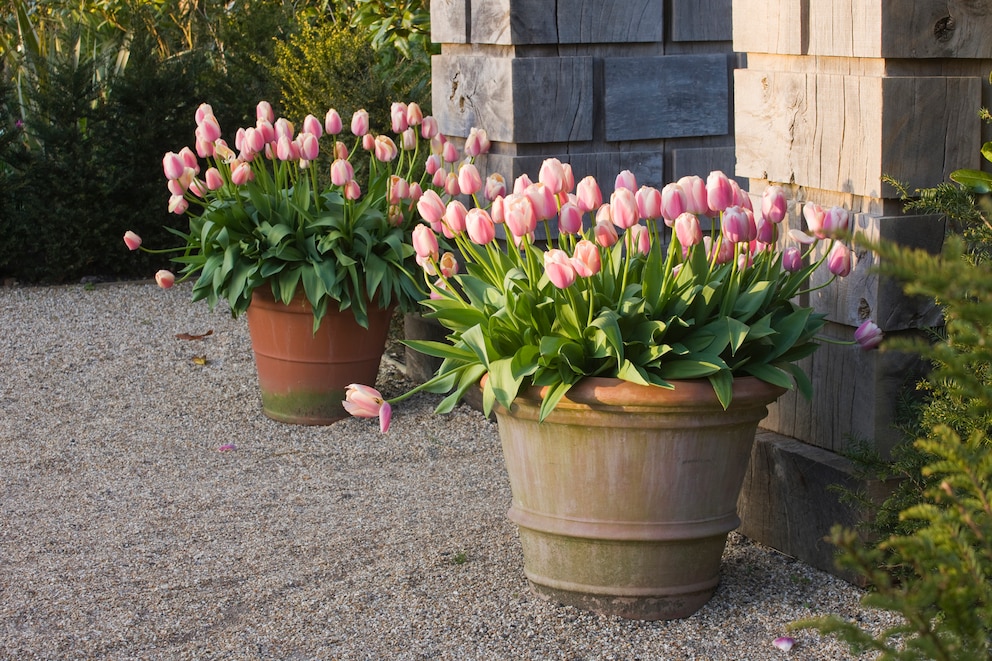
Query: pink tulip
{"type": "Point", "coordinates": [332, 122]}
{"type": "Point", "coordinates": [648, 201]}
{"type": "Point", "coordinates": [397, 117]}
{"type": "Point", "coordinates": [559, 268]}
{"type": "Point", "coordinates": [173, 165]}
{"type": "Point", "coordinates": [695, 194]}
{"type": "Point", "coordinates": [767, 231]}
{"type": "Point", "coordinates": [839, 260]}
{"type": "Point", "coordinates": [416, 191]}
{"type": "Point", "coordinates": [586, 259]}
{"type": "Point", "coordinates": [203, 111]}
{"type": "Point", "coordinates": [165, 279]}
{"type": "Point", "coordinates": [626, 180]}
{"type": "Point", "coordinates": [430, 207]}
{"type": "Point", "coordinates": [469, 179]}
{"type": "Point", "coordinates": [429, 129]}
{"type": "Point", "coordinates": [520, 215]}
{"type": "Point", "coordinates": [783, 643]}
{"type": "Point", "coordinates": [476, 143]}
{"type": "Point", "coordinates": [399, 189]}
{"type": "Point", "coordinates": [836, 220]}
{"type": "Point", "coordinates": [480, 226]}
{"type": "Point", "coordinates": [498, 210]}
{"type": "Point", "coordinates": [264, 112]}
{"type": "Point", "coordinates": [313, 126]}
{"type": "Point", "coordinates": [241, 174]}
{"type": "Point", "coordinates": [254, 141]}
{"type": "Point", "coordinates": [687, 230]}
{"type": "Point", "coordinates": [640, 239]}
{"type": "Point", "coordinates": [414, 115]}
{"type": "Point", "coordinates": [569, 219]}
{"type": "Point", "coordinates": [868, 335]}
{"type": "Point", "coordinates": [719, 192]}
{"type": "Point", "coordinates": [425, 241]}
{"type": "Point", "coordinates": [624, 208]}
{"type": "Point", "coordinates": [365, 402]}
{"type": "Point", "coordinates": [132, 240]}
{"type": "Point", "coordinates": [552, 175]}
{"type": "Point", "coordinates": [792, 259]}
{"type": "Point", "coordinates": [521, 184]}
{"type": "Point", "coordinates": [408, 140]}
{"type": "Point", "coordinates": [178, 205]}
{"type": "Point", "coordinates": [204, 149]}
{"type": "Point", "coordinates": [450, 184]}
{"type": "Point", "coordinates": [814, 214]}
{"type": "Point", "coordinates": [448, 265]}
{"type": "Point", "coordinates": [433, 164]}
{"type": "Point", "coordinates": [734, 225]}
{"type": "Point", "coordinates": [209, 129]}
{"type": "Point", "coordinates": [342, 172]}
{"type": "Point", "coordinates": [774, 206]}
{"type": "Point", "coordinates": [569, 181]}
{"type": "Point", "coordinates": [284, 149]}
{"type": "Point", "coordinates": [267, 130]}
{"type": "Point", "coordinates": [605, 233]}
{"type": "Point", "coordinates": [360, 122]}
{"type": "Point", "coordinates": [673, 203]}
{"type": "Point", "coordinates": [449, 153]}
{"type": "Point", "coordinates": [309, 146]}
{"type": "Point", "coordinates": [368, 142]}
{"type": "Point", "coordinates": [385, 149]}
{"type": "Point", "coordinates": [454, 217]}
{"type": "Point", "coordinates": [589, 195]}
{"type": "Point", "coordinates": [495, 186]}
{"type": "Point", "coordinates": [545, 202]}
{"type": "Point", "coordinates": [176, 187]}
{"type": "Point", "coordinates": [352, 191]}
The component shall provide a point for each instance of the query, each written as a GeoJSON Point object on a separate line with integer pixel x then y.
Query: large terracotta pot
{"type": "Point", "coordinates": [625, 494]}
{"type": "Point", "coordinates": [303, 375]}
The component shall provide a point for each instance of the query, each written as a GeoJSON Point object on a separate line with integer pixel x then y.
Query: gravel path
{"type": "Point", "coordinates": [126, 534]}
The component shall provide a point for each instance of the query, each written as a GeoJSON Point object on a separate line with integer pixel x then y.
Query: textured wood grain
{"type": "Point", "coordinates": [514, 99]}
{"type": "Point", "coordinates": [449, 21]}
{"type": "Point", "coordinates": [701, 161]}
{"type": "Point", "coordinates": [666, 97]}
{"type": "Point", "coordinates": [868, 28]}
{"type": "Point", "coordinates": [702, 20]}
{"type": "Point", "coordinates": [522, 22]}
{"type": "Point", "coordinates": [843, 133]}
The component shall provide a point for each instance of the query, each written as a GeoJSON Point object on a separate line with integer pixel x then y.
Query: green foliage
{"type": "Point", "coordinates": [330, 66]}
{"type": "Point", "coordinates": [937, 575]}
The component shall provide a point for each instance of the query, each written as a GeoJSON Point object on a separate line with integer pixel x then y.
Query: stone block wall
{"type": "Point", "coordinates": [643, 85]}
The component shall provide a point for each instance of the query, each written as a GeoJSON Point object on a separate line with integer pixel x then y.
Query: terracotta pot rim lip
{"type": "Point", "coordinates": [612, 391]}
{"type": "Point", "coordinates": [262, 295]}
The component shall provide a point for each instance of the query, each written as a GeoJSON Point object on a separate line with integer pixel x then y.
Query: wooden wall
{"type": "Point", "coordinates": [643, 85]}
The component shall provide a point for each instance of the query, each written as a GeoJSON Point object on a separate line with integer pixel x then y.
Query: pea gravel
{"type": "Point", "coordinates": [125, 533]}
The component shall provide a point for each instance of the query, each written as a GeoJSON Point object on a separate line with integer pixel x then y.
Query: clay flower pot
{"type": "Point", "coordinates": [625, 494]}
{"type": "Point", "coordinates": [303, 375]}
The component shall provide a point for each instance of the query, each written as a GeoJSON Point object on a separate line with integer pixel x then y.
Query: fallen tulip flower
{"type": "Point", "coordinates": [165, 279]}
{"type": "Point", "coordinates": [784, 643]}
{"type": "Point", "coordinates": [365, 402]}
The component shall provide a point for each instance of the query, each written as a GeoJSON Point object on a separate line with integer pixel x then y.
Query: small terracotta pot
{"type": "Point", "coordinates": [303, 375]}
{"type": "Point", "coordinates": [625, 494]}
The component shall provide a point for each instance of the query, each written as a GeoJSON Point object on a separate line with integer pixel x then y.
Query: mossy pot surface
{"type": "Point", "coordinates": [303, 375]}
{"type": "Point", "coordinates": [624, 495]}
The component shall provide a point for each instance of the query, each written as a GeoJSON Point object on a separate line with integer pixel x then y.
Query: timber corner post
{"type": "Point", "coordinates": [835, 95]}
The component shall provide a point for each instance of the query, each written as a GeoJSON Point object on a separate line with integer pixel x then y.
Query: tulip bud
{"type": "Point", "coordinates": [397, 117]}
{"type": "Point", "coordinates": [241, 174]}
{"type": "Point", "coordinates": [605, 233]}
{"type": "Point", "coordinates": [368, 142]}
{"type": "Point", "coordinates": [165, 279]}
{"type": "Point", "coordinates": [264, 112]}
{"type": "Point", "coordinates": [132, 240]}
{"type": "Point", "coordinates": [559, 268]}
{"type": "Point", "coordinates": [640, 239]}
{"type": "Point", "coordinates": [425, 242]}
{"type": "Point", "coordinates": [814, 214]}
{"type": "Point", "coordinates": [448, 265]}
{"type": "Point", "coordinates": [477, 143]}
{"type": "Point", "coordinates": [569, 219]}
{"type": "Point", "coordinates": [774, 206]}
{"type": "Point", "coordinates": [839, 260]}
{"type": "Point", "coordinates": [414, 115]}
{"type": "Point", "coordinates": [360, 122]}
{"type": "Point", "coordinates": [449, 153]}
{"type": "Point", "coordinates": [695, 194]}
{"type": "Point", "coordinates": [545, 203]}
{"type": "Point", "coordinates": [522, 183]}
{"type": "Point", "coordinates": [735, 226]}
{"type": "Point", "coordinates": [178, 205]}
{"type": "Point", "coordinates": [586, 259]}
{"type": "Point", "coordinates": [792, 259]}
{"type": "Point", "coordinates": [552, 175]}
{"type": "Point", "coordinates": [208, 129]}
{"type": "Point", "coordinates": [836, 220]}
{"type": "Point", "coordinates": [332, 122]}
{"type": "Point", "coordinates": [626, 180]}
{"type": "Point", "coordinates": [469, 179]}
{"type": "Point", "coordinates": [451, 185]}
{"type": "Point", "coordinates": [313, 126]}
{"type": "Point", "coordinates": [203, 111]}
{"type": "Point", "coordinates": [673, 203]}
{"type": "Point", "coordinates": [495, 186]}
{"type": "Point", "coordinates": [385, 149]}
{"type": "Point", "coordinates": [624, 208]}
{"type": "Point", "coordinates": [589, 195]}
{"type": "Point", "coordinates": [687, 230]}
{"type": "Point", "coordinates": [173, 165]}
{"type": "Point", "coordinates": [868, 335]}
{"type": "Point", "coordinates": [309, 146]}
{"type": "Point", "coordinates": [520, 215]}
{"type": "Point", "coordinates": [480, 226]}
{"type": "Point", "coordinates": [648, 202]}
{"type": "Point", "coordinates": [454, 217]}
{"type": "Point", "coordinates": [430, 207]}
{"type": "Point", "coordinates": [719, 192]}
{"type": "Point", "coordinates": [341, 172]}
{"type": "Point", "coordinates": [408, 140]}
{"type": "Point", "coordinates": [365, 402]}
{"type": "Point", "coordinates": [352, 191]}
{"type": "Point", "coordinates": [429, 128]}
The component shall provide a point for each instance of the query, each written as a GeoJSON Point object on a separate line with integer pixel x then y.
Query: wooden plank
{"type": "Point", "coordinates": [843, 133]}
{"type": "Point", "coordinates": [665, 97]}
{"type": "Point", "coordinates": [702, 20]}
{"type": "Point", "coordinates": [529, 22]}
{"type": "Point", "coordinates": [514, 99]}
{"type": "Point", "coordinates": [770, 26]}
{"type": "Point", "coordinates": [449, 21]}
{"type": "Point", "coordinates": [687, 161]}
